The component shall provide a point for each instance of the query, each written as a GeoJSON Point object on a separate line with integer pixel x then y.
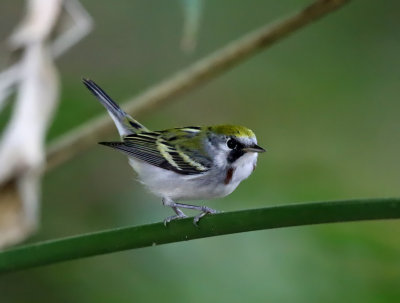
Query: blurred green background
{"type": "Point", "coordinates": [324, 101]}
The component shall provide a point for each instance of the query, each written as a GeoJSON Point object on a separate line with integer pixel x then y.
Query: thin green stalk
{"type": "Point", "coordinates": [104, 242]}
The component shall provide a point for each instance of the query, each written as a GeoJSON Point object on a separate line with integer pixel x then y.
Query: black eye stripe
{"type": "Point", "coordinates": [234, 155]}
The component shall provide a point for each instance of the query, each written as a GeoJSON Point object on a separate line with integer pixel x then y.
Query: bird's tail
{"type": "Point", "coordinates": [126, 125]}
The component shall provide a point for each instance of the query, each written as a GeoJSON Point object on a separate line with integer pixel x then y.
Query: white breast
{"type": "Point", "coordinates": [166, 183]}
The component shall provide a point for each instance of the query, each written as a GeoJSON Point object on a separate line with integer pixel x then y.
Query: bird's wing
{"type": "Point", "coordinates": [165, 151]}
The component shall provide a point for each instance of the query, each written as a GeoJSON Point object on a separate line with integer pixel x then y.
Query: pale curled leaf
{"type": "Point", "coordinates": [80, 25]}
{"type": "Point", "coordinates": [38, 22]}
{"type": "Point", "coordinates": [22, 145]}
{"type": "Point", "coordinates": [34, 80]}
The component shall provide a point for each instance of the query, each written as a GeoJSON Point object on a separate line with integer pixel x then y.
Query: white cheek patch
{"type": "Point", "coordinates": [220, 155]}
{"type": "Point", "coordinates": [224, 147]}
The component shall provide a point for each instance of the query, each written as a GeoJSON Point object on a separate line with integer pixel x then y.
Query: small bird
{"type": "Point", "coordinates": [186, 163]}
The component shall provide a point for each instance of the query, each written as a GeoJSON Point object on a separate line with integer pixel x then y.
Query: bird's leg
{"type": "Point", "coordinates": [203, 209]}
{"type": "Point", "coordinates": [179, 213]}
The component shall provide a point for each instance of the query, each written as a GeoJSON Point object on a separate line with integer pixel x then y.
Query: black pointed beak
{"type": "Point", "coordinates": [254, 149]}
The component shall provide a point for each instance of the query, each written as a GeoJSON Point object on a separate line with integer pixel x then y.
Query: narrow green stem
{"type": "Point", "coordinates": [104, 242]}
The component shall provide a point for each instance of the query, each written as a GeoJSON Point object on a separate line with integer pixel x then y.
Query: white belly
{"type": "Point", "coordinates": [166, 183]}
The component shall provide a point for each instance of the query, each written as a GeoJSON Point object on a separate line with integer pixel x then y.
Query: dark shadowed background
{"type": "Point", "coordinates": [324, 102]}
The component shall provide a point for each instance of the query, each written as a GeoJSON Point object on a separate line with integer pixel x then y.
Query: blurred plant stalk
{"type": "Point", "coordinates": [86, 135]}
{"type": "Point", "coordinates": [192, 11]}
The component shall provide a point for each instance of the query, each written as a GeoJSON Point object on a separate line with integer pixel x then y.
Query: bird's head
{"type": "Point", "coordinates": [232, 143]}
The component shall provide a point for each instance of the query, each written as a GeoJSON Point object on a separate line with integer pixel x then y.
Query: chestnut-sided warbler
{"type": "Point", "coordinates": [186, 163]}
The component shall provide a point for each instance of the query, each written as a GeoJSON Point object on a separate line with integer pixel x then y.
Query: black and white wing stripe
{"type": "Point", "coordinates": [152, 148]}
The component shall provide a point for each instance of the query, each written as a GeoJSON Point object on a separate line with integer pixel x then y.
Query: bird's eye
{"type": "Point", "coordinates": [231, 143]}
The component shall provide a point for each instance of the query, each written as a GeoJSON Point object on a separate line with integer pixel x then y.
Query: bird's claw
{"type": "Point", "coordinates": [204, 211]}
{"type": "Point", "coordinates": [175, 217]}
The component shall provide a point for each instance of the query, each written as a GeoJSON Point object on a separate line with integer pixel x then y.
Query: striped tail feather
{"type": "Point", "coordinates": [125, 124]}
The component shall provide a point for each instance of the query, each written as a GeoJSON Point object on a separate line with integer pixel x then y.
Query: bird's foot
{"type": "Point", "coordinates": [180, 215]}
{"type": "Point", "coordinates": [204, 211]}
{"type": "Point", "coordinates": [174, 217]}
